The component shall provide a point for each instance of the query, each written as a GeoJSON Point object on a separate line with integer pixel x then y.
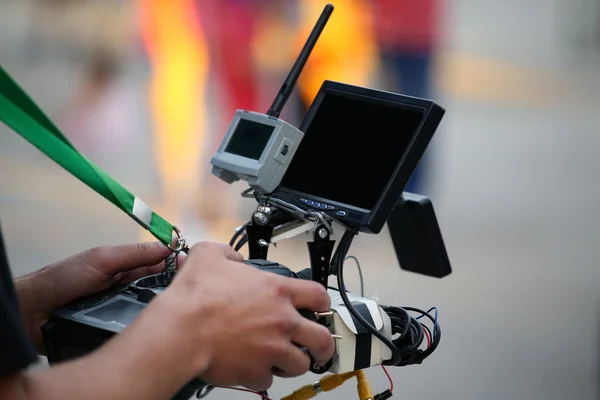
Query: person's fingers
{"type": "Point", "coordinates": [317, 339]}
{"type": "Point", "coordinates": [115, 259]}
{"type": "Point", "coordinates": [130, 276]}
{"type": "Point", "coordinates": [294, 362]}
{"type": "Point", "coordinates": [208, 247]}
{"type": "Point", "coordinates": [260, 382]}
{"type": "Point", "coordinates": [308, 294]}
{"type": "Point", "coordinates": [232, 255]}
{"type": "Point", "coordinates": [125, 278]}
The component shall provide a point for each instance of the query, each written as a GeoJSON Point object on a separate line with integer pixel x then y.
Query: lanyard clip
{"type": "Point", "coordinates": [180, 243]}
{"type": "Point", "coordinates": [171, 262]}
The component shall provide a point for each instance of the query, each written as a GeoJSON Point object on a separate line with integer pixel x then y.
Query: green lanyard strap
{"type": "Point", "coordinates": [21, 114]}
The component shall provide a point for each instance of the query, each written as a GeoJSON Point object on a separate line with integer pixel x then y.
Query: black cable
{"type": "Point", "coordinates": [243, 240]}
{"type": "Point", "coordinates": [237, 234]}
{"type": "Point", "coordinates": [437, 332]}
{"type": "Point", "coordinates": [338, 261]}
{"type": "Point", "coordinates": [205, 391]}
{"type": "Point", "coordinates": [408, 333]}
{"type": "Point", "coordinates": [383, 395]}
{"type": "Point", "coordinates": [241, 243]}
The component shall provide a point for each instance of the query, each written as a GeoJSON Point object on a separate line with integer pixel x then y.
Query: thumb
{"type": "Point", "coordinates": [115, 259]}
{"type": "Point", "coordinates": [215, 247]}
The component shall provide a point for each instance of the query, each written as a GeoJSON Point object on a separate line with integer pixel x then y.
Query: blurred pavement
{"type": "Point", "coordinates": [515, 191]}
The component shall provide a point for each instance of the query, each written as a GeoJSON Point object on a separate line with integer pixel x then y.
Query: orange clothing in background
{"type": "Point", "coordinates": [176, 46]}
{"type": "Point", "coordinates": [346, 51]}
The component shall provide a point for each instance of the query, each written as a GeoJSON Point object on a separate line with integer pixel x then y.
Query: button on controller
{"type": "Point", "coordinates": [321, 206]}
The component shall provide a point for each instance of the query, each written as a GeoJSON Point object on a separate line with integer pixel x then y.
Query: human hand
{"type": "Point", "coordinates": [86, 273]}
{"type": "Point", "coordinates": [238, 325]}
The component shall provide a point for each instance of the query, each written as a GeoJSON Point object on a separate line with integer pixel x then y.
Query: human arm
{"type": "Point", "coordinates": [221, 320]}
{"type": "Point", "coordinates": [86, 273]}
{"type": "Point", "coordinates": [134, 364]}
{"type": "Point", "coordinates": [116, 370]}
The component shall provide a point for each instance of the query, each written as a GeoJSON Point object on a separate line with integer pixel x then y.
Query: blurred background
{"type": "Point", "coordinates": [146, 90]}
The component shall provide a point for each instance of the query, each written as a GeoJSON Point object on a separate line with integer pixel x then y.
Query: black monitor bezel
{"type": "Point", "coordinates": [374, 220]}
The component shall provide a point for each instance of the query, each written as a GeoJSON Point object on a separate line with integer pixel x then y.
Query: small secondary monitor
{"type": "Point", "coordinates": [360, 148]}
{"type": "Point", "coordinates": [257, 148]}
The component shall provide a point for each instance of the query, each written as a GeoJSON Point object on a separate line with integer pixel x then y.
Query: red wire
{"type": "Point", "coordinates": [245, 390]}
{"type": "Point", "coordinates": [428, 337]}
{"type": "Point", "coordinates": [387, 374]}
{"type": "Point", "coordinates": [389, 378]}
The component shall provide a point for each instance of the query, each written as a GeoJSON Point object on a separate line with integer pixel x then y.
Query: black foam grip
{"type": "Point", "coordinates": [362, 350]}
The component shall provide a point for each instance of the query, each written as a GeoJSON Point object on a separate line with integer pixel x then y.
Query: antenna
{"type": "Point", "coordinates": [290, 82]}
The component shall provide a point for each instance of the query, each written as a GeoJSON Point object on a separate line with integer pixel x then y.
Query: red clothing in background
{"type": "Point", "coordinates": [229, 26]}
{"type": "Point", "coordinates": [411, 25]}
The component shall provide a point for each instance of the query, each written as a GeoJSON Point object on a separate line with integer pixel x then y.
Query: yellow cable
{"type": "Point", "coordinates": [326, 384]}
{"type": "Point", "coordinates": [331, 382]}
{"type": "Point", "coordinates": [364, 387]}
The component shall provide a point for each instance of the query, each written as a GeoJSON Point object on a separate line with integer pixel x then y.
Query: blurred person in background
{"type": "Point", "coordinates": [245, 73]}
{"type": "Point", "coordinates": [229, 27]}
{"type": "Point", "coordinates": [85, 117]}
{"type": "Point", "coordinates": [407, 34]}
{"type": "Point", "coordinates": [49, 29]}
{"type": "Point", "coordinates": [103, 117]}
{"type": "Point", "coordinates": [346, 51]}
{"type": "Point", "coordinates": [72, 27]}
{"type": "Point", "coordinates": [176, 45]}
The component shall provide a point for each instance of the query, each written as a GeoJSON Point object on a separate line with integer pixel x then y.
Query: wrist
{"type": "Point", "coordinates": [39, 294]}
{"type": "Point", "coordinates": [177, 331]}
{"type": "Point", "coordinates": [169, 333]}
{"type": "Point", "coordinates": [153, 358]}
{"type": "Point", "coordinates": [124, 368]}
{"type": "Point", "coordinates": [29, 304]}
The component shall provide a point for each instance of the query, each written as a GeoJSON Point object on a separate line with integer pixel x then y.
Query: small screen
{"type": "Point", "coordinates": [249, 139]}
{"type": "Point", "coordinates": [121, 311]}
{"type": "Point", "coordinates": [351, 149]}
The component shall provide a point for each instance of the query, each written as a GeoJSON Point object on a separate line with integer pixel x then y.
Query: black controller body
{"type": "Point", "coordinates": [84, 325]}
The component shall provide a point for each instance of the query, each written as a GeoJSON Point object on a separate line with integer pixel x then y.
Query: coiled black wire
{"type": "Point", "coordinates": [338, 266]}
{"type": "Point", "coordinates": [408, 331]}
{"type": "Point", "coordinates": [435, 336]}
